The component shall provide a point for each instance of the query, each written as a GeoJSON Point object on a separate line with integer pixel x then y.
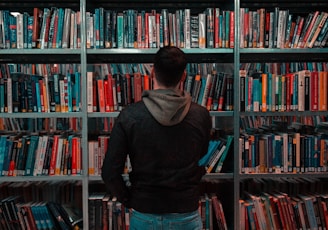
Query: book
{"type": "Point", "coordinates": [224, 154]}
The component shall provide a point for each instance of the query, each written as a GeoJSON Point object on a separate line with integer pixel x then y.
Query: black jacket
{"type": "Point", "coordinates": [164, 142]}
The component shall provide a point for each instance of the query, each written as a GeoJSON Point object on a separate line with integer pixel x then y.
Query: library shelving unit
{"type": "Point", "coordinates": [233, 56]}
{"type": "Point", "coordinates": [273, 55]}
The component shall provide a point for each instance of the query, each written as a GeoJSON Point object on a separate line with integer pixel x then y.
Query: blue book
{"type": "Point", "coordinates": [3, 140]}
{"type": "Point", "coordinates": [30, 20]}
{"type": "Point", "coordinates": [29, 167]}
{"type": "Point", "coordinates": [37, 94]}
{"type": "Point", "coordinates": [96, 27]}
{"type": "Point", "coordinates": [77, 91]}
{"type": "Point", "coordinates": [6, 22]}
{"type": "Point", "coordinates": [60, 25]}
{"type": "Point", "coordinates": [269, 94]}
{"type": "Point", "coordinates": [201, 90]}
{"type": "Point", "coordinates": [120, 30]}
{"type": "Point", "coordinates": [212, 146]}
{"type": "Point", "coordinates": [7, 156]}
{"type": "Point", "coordinates": [13, 31]}
{"type": "Point", "coordinates": [309, 207]}
{"type": "Point", "coordinates": [101, 27]}
{"type": "Point", "coordinates": [69, 93]}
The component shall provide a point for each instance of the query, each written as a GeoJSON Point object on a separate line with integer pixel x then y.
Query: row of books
{"type": "Point", "coordinates": [288, 152]}
{"type": "Point", "coordinates": [113, 92]}
{"type": "Point", "coordinates": [36, 125]}
{"type": "Point", "coordinates": [7, 69]}
{"type": "Point", "coordinates": [213, 161]}
{"type": "Point", "coordinates": [107, 212]}
{"type": "Point", "coordinates": [304, 124]}
{"type": "Point", "coordinates": [45, 28]}
{"type": "Point", "coordinates": [97, 150]}
{"type": "Point", "coordinates": [212, 28]}
{"type": "Point", "coordinates": [300, 91]}
{"type": "Point", "coordinates": [36, 155]}
{"type": "Point", "coordinates": [262, 28]}
{"type": "Point", "coordinates": [32, 93]}
{"type": "Point", "coordinates": [278, 210]}
{"type": "Point", "coordinates": [17, 214]}
{"type": "Point", "coordinates": [283, 68]}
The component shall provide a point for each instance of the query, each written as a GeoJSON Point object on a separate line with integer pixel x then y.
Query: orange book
{"type": "Point", "coordinates": [137, 84]}
{"type": "Point", "coordinates": [146, 85]}
{"type": "Point", "coordinates": [101, 95]}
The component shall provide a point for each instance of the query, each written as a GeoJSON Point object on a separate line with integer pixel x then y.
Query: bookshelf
{"type": "Point", "coordinates": [234, 56]}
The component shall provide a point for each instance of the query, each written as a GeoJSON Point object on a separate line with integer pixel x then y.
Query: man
{"type": "Point", "coordinates": [165, 135]}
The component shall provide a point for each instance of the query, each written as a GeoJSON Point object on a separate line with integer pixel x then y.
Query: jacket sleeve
{"type": "Point", "coordinates": [114, 162]}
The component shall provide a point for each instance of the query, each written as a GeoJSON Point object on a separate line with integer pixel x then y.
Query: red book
{"type": "Point", "coordinates": [74, 155]}
{"type": "Point", "coordinates": [41, 95]}
{"type": "Point", "coordinates": [288, 91]}
{"type": "Point", "coordinates": [109, 96]}
{"type": "Point", "coordinates": [53, 157]}
{"type": "Point", "coordinates": [216, 27]}
{"type": "Point", "coordinates": [246, 28]}
{"type": "Point", "coordinates": [37, 15]}
{"type": "Point", "coordinates": [106, 95]}
{"type": "Point", "coordinates": [54, 36]}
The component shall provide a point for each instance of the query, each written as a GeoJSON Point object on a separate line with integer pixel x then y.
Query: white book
{"type": "Point", "coordinates": [202, 30]}
{"type": "Point", "coordinates": [73, 31]}
{"type": "Point", "coordinates": [9, 96]}
{"type": "Point", "coordinates": [59, 155]}
{"type": "Point", "coordinates": [301, 90]}
{"type": "Point", "coordinates": [187, 33]}
{"type": "Point", "coordinates": [242, 25]}
{"type": "Point", "coordinates": [90, 92]}
{"type": "Point", "coordinates": [20, 31]}
{"type": "Point", "coordinates": [66, 28]}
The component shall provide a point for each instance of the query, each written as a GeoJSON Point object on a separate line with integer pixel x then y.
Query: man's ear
{"type": "Point", "coordinates": [184, 75]}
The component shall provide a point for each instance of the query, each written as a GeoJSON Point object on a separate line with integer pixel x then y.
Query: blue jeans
{"type": "Point", "coordinates": [171, 221]}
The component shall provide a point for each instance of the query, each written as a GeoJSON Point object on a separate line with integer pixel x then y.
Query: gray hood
{"type": "Point", "coordinates": [169, 107]}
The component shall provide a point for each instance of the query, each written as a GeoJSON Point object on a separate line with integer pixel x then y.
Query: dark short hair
{"type": "Point", "coordinates": [169, 64]}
